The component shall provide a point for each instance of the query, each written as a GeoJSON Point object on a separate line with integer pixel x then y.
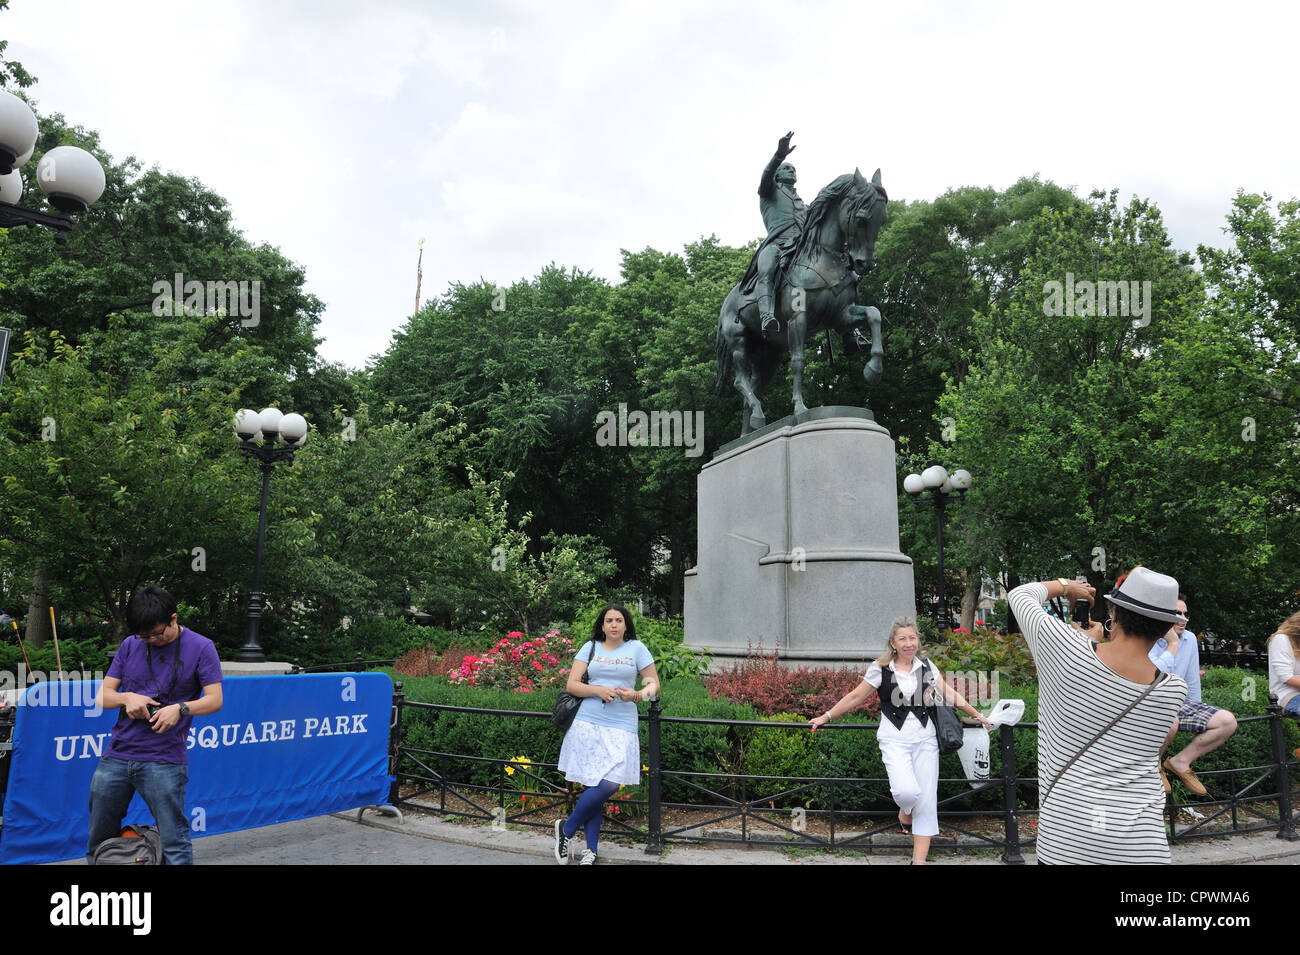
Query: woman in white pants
{"type": "Point", "coordinates": [907, 685]}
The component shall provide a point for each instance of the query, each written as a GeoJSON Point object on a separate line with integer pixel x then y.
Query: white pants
{"type": "Point", "coordinates": [914, 781]}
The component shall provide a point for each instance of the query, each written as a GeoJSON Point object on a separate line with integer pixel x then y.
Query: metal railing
{"type": "Point", "coordinates": [726, 808]}
{"type": "Point", "coordinates": [356, 665]}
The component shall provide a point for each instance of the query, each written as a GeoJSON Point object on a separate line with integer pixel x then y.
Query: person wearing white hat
{"type": "Point", "coordinates": [1104, 710]}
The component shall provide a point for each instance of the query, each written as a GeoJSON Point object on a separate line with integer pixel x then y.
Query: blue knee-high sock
{"type": "Point", "coordinates": [587, 812]}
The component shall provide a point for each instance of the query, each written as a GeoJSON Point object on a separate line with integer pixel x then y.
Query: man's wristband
{"type": "Point", "coordinates": [185, 709]}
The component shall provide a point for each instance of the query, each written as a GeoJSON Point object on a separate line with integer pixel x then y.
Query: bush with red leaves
{"type": "Point", "coordinates": [761, 681]}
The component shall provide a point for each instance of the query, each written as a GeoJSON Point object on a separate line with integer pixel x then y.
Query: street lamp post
{"type": "Point", "coordinates": [258, 434]}
{"type": "Point", "coordinates": [71, 178]}
{"type": "Point", "coordinates": [941, 486]}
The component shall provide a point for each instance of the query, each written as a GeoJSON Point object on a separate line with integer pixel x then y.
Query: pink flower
{"type": "Point", "coordinates": [514, 635]}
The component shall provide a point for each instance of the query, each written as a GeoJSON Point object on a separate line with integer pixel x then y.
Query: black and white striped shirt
{"type": "Point", "coordinates": [1108, 807]}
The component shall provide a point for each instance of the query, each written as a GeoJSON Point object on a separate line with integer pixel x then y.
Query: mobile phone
{"type": "Point", "coordinates": [1081, 612]}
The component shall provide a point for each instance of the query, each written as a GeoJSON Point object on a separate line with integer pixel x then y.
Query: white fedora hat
{"type": "Point", "coordinates": [1149, 594]}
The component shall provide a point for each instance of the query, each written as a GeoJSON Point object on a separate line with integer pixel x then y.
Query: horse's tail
{"type": "Point", "coordinates": [722, 350]}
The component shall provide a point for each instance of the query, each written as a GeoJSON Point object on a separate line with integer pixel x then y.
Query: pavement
{"type": "Point", "coordinates": [424, 838]}
{"type": "Point", "coordinates": [489, 845]}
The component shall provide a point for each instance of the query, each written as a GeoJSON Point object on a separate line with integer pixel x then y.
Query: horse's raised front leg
{"type": "Point", "coordinates": [875, 368]}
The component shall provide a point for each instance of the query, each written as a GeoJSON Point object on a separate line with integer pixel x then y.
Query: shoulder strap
{"type": "Point", "coordinates": [1100, 733]}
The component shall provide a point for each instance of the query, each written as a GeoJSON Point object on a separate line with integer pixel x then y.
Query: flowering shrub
{"type": "Point", "coordinates": [516, 664]}
{"type": "Point", "coordinates": [761, 681]}
{"type": "Point", "coordinates": [994, 656]}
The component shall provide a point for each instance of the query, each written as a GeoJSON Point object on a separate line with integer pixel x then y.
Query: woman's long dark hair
{"type": "Point", "coordinates": [598, 629]}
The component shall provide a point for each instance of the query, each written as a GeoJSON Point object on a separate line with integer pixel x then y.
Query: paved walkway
{"type": "Point", "coordinates": [421, 839]}
{"type": "Point", "coordinates": [425, 839]}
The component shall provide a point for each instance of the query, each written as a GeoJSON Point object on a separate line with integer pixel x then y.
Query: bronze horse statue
{"type": "Point", "coordinates": [817, 291]}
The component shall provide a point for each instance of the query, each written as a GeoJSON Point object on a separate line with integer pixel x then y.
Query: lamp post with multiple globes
{"type": "Point", "coordinates": [269, 436]}
{"type": "Point", "coordinates": [71, 178]}
{"type": "Point", "coordinates": [940, 486]}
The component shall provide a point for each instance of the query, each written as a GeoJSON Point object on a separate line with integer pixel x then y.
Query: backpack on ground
{"type": "Point", "coordinates": [137, 845]}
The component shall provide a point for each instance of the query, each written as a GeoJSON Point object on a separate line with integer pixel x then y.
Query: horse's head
{"type": "Point", "coordinates": [866, 214]}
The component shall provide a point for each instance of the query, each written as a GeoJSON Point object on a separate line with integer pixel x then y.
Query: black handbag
{"type": "Point", "coordinates": [947, 726]}
{"type": "Point", "coordinates": [566, 707]}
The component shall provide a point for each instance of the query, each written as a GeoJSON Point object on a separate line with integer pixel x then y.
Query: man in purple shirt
{"type": "Point", "coordinates": [155, 682]}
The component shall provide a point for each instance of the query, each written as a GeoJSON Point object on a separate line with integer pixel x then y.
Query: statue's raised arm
{"type": "Point", "coordinates": [767, 184]}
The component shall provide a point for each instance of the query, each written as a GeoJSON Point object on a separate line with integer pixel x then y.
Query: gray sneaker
{"type": "Point", "coordinates": [561, 843]}
{"type": "Point", "coordinates": [587, 858]}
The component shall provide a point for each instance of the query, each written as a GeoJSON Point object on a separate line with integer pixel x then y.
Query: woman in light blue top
{"type": "Point", "coordinates": [601, 750]}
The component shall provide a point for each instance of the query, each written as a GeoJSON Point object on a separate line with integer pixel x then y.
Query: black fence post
{"type": "Point", "coordinates": [654, 839]}
{"type": "Point", "coordinates": [1286, 828]}
{"type": "Point", "coordinates": [359, 663]}
{"type": "Point", "coordinates": [395, 742]}
{"type": "Point", "coordinates": [1007, 746]}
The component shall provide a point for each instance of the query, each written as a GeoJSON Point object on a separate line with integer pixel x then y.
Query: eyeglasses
{"type": "Point", "coordinates": [155, 635]}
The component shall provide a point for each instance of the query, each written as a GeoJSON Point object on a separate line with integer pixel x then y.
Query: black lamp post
{"type": "Point", "coordinates": [941, 487]}
{"type": "Point", "coordinates": [258, 435]}
{"type": "Point", "coordinates": [71, 178]}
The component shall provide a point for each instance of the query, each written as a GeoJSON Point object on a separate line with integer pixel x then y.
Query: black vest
{"type": "Point", "coordinates": [894, 705]}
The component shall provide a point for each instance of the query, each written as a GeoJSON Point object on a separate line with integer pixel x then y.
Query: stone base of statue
{"type": "Point", "coordinates": [798, 543]}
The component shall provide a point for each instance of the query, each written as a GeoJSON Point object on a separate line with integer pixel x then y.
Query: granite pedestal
{"type": "Point", "coordinates": [798, 543]}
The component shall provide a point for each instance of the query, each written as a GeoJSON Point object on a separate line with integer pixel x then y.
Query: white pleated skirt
{"type": "Point", "coordinates": [591, 753]}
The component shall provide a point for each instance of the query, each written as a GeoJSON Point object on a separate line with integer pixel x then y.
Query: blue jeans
{"type": "Point", "coordinates": [1292, 705]}
{"type": "Point", "coordinates": [160, 785]}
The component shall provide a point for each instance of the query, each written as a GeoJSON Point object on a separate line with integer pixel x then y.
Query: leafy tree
{"type": "Point", "coordinates": [1051, 416]}
{"type": "Point", "coordinates": [108, 485]}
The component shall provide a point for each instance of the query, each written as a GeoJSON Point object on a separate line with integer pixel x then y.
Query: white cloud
{"type": "Point", "coordinates": [513, 135]}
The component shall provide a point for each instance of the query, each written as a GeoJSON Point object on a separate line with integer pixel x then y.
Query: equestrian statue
{"type": "Point", "coordinates": [803, 278]}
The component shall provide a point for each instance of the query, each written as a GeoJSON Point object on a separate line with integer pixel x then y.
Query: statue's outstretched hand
{"type": "Point", "coordinates": [783, 148]}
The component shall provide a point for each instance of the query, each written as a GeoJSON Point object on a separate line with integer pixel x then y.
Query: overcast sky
{"type": "Point", "coordinates": [512, 135]}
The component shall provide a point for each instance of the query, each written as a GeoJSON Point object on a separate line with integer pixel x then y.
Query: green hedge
{"type": "Point", "coordinates": [725, 752]}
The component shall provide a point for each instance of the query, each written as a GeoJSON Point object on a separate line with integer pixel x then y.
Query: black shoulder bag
{"type": "Point", "coordinates": [566, 707]}
{"type": "Point", "coordinates": [947, 724]}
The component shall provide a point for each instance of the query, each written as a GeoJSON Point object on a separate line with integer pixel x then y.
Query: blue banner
{"type": "Point", "coordinates": [281, 748]}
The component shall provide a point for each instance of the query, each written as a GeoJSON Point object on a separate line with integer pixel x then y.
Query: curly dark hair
{"type": "Point", "coordinates": [1136, 625]}
{"type": "Point", "coordinates": [598, 630]}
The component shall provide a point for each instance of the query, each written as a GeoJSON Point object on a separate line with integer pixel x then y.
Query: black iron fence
{"type": "Point", "coordinates": [849, 813]}
{"type": "Point", "coordinates": [355, 665]}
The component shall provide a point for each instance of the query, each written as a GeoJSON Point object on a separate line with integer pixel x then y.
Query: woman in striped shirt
{"type": "Point", "coordinates": [1104, 710]}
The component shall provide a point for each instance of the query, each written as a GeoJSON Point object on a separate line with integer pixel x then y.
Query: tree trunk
{"type": "Point", "coordinates": [37, 624]}
{"type": "Point", "coordinates": [969, 600]}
